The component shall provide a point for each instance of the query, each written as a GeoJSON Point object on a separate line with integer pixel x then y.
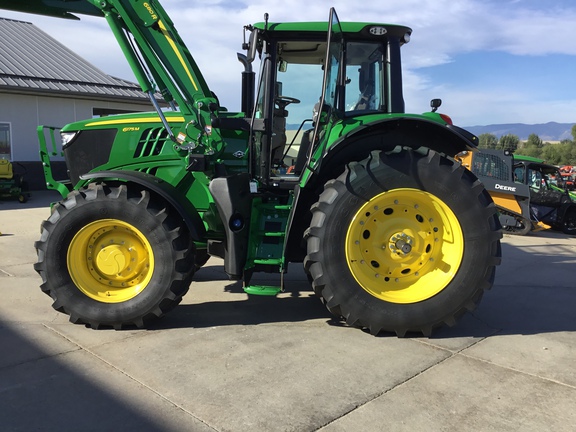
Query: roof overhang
{"type": "Point", "coordinates": [53, 8]}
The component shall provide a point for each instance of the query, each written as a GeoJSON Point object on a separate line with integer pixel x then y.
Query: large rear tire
{"type": "Point", "coordinates": [403, 242]}
{"type": "Point", "coordinates": [114, 257]}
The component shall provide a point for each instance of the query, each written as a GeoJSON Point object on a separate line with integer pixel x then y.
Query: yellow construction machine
{"type": "Point", "coordinates": [517, 185]}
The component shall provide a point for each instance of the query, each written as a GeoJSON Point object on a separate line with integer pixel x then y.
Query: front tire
{"type": "Point", "coordinates": [403, 242]}
{"type": "Point", "coordinates": [114, 257]}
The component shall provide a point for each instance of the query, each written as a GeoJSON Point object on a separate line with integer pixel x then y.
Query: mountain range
{"type": "Point", "coordinates": [551, 131]}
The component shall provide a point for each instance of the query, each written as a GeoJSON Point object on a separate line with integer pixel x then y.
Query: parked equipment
{"type": "Point", "coordinates": [522, 190]}
{"type": "Point", "coordinates": [393, 233]}
{"type": "Point", "coordinates": [12, 184]}
{"type": "Point", "coordinates": [551, 203]}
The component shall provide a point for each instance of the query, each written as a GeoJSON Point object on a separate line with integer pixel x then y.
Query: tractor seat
{"type": "Point", "coordinates": [6, 169]}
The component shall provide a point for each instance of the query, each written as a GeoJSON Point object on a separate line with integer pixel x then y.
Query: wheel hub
{"type": "Point", "coordinates": [401, 243]}
{"type": "Point", "coordinates": [404, 246]}
{"type": "Point", "coordinates": [110, 261]}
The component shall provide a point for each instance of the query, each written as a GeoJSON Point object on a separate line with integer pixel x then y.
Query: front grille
{"type": "Point", "coordinates": [89, 149]}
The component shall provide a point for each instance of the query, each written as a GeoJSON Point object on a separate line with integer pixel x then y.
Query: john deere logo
{"type": "Point", "coordinates": [378, 31]}
{"type": "Point", "coordinates": [506, 188]}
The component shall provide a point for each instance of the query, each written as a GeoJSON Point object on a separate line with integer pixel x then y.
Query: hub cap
{"type": "Point", "coordinates": [404, 246]}
{"type": "Point", "coordinates": [110, 261]}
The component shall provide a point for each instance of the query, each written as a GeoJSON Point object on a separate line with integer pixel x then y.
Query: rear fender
{"type": "Point", "coordinates": [356, 145]}
{"type": "Point", "coordinates": [407, 132]}
{"type": "Point", "coordinates": [387, 134]}
{"type": "Point", "coordinates": [168, 192]}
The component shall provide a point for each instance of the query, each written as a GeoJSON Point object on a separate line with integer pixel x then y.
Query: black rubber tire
{"type": "Point", "coordinates": [169, 240]}
{"type": "Point", "coordinates": [569, 222]}
{"type": "Point", "coordinates": [447, 180]}
{"type": "Point", "coordinates": [526, 226]}
{"type": "Point", "coordinates": [201, 258]}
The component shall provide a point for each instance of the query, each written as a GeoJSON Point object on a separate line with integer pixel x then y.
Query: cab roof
{"type": "Point", "coordinates": [321, 27]}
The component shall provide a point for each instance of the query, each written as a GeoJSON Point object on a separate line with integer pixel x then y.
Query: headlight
{"type": "Point", "coordinates": [67, 137]}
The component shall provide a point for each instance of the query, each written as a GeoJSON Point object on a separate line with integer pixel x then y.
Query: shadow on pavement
{"type": "Point", "coordinates": [301, 305]}
{"type": "Point", "coordinates": [40, 391]}
{"type": "Point", "coordinates": [519, 302]}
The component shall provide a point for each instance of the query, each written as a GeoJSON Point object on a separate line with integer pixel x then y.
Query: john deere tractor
{"type": "Point", "coordinates": [322, 166]}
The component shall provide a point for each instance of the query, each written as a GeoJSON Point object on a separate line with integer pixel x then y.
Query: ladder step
{"type": "Point", "coordinates": [268, 261]}
{"type": "Point", "coordinates": [263, 290]}
{"type": "Point", "coordinates": [271, 234]}
{"type": "Point", "coordinates": [274, 206]}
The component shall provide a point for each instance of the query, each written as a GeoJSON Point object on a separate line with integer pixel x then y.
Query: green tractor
{"type": "Point", "coordinates": [12, 185]}
{"type": "Point", "coordinates": [322, 167]}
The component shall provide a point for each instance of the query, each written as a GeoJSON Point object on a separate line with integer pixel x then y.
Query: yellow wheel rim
{"type": "Point", "coordinates": [110, 261]}
{"type": "Point", "coordinates": [404, 246]}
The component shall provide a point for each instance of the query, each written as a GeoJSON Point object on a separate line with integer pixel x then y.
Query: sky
{"type": "Point", "coordinates": [490, 61]}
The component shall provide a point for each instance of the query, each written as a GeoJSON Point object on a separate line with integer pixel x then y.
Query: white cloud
{"type": "Point", "coordinates": [443, 29]}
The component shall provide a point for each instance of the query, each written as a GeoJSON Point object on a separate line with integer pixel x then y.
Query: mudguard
{"type": "Point", "coordinates": [174, 197]}
{"type": "Point", "coordinates": [356, 145]}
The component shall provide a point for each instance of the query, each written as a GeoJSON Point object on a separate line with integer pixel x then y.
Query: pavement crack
{"type": "Point", "coordinates": [136, 380]}
{"type": "Point", "coordinates": [5, 273]}
{"type": "Point", "coordinates": [519, 371]}
{"type": "Point", "coordinates": [400, 384]}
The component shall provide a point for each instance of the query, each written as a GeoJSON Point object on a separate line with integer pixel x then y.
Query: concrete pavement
{"type": "Point", "coordinates": [224, 362]}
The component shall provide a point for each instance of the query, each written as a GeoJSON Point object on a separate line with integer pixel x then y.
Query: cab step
{"type": "Point", "coordinates": [262, 290]}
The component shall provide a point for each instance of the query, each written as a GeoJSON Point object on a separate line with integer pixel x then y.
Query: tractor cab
{"type": "Point", "coordinates": [314, 76]}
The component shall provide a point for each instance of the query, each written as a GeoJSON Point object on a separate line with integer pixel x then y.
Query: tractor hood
{"type": "Point", "coordinates": [124, 122]}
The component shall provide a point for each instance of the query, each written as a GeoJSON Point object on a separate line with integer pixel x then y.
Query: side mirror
{"type": "Point", "coordinates": [435, 104]}
{"type": "Point", "coordinates": [251, 46]}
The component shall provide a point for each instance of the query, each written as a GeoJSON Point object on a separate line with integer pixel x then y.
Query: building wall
{"type": "Point", "coordinates": [25, 112]}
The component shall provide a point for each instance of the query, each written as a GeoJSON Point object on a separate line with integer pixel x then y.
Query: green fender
{"type": "Point", "coordinates": [385, 134]}
{"type": "Point", "coordinates": [174, 197]}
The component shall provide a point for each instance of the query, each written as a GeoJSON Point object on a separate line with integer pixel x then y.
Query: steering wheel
{"type": "Point", "coordinates": [284, 101]}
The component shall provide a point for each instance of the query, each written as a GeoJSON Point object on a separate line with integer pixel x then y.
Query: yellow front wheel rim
{"type": "Point", "coordinates": [110, 261]}
{"type": "Point", "coordinates": [404, 246]}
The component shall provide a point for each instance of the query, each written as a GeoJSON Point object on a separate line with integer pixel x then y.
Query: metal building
{"type": "Point", "coordinates": [44, 83]}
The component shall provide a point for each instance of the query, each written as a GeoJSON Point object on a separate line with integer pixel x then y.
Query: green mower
{"type": "Point", "coordinates": [12, 184]}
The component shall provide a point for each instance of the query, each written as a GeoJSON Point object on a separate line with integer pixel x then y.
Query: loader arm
{"type": "Point", "coordinates": [157, 55]}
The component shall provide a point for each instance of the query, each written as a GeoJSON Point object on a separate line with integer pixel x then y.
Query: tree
{"type": "Point", "coordinates": [532, 151]}
{"type": "Point", "coordinates": [534, 141]}
{"type": "Point", "coordinates": [568, 152]}
{"type": "Point", "coordinates": [574, 132]}
{"type": "Point", "coordinates": [552, 153]}
{"type": "Point", "coordinates": [509, 142]}
{"type": "Point", "coordinates": [487, 141]}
